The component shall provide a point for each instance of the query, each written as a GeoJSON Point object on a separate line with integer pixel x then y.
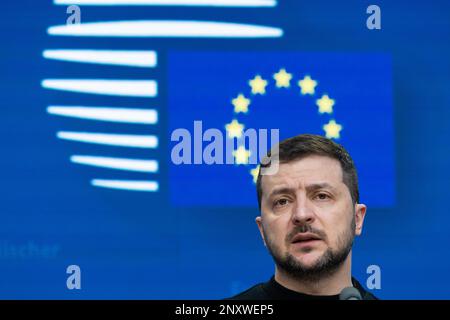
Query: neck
{"type": "Point", "coordinates": [326, 286]}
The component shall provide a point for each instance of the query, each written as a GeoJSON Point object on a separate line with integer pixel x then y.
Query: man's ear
{"type": "Point", "coordinates": [360, 213]}
{"type": "Point", "coordinates": [258, 221]}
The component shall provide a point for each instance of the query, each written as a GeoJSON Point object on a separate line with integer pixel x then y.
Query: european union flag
{"type": "Point", "coordinates": [344, 96]}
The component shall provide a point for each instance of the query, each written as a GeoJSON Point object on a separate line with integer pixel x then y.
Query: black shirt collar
{"type": "Point", "coordinates": [277, 291]}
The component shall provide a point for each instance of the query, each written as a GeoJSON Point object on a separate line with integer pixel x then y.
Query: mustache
{"type": "Point", "coordinates": [305, 229]}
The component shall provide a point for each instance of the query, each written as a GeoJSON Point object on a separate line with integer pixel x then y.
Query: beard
{"type": "Point", "coordinates": [325, 266]}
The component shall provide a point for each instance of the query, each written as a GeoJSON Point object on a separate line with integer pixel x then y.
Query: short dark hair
{"type": "Point", "coordinates": [304, 145]}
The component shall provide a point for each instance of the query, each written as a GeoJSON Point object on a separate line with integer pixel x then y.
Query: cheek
{"type": "Point", "coordinates": [333, 238]}
{"type": "Point", "coordinates": [335, 225]}
{"type": "Point", "coordinates": [276, 231]}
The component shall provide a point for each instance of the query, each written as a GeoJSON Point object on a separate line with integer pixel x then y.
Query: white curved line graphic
{"type": "Point", "coordinates": [121, 140]}
{"type": "Point", "coordinates": [143, 59]}
{"type": "Point", "coordinates": [149, 186]}
{"type": "Point", "coordinates": [211, 3]}
{"type": "Point", "coordinates": [130, 88]}
{"type": "Point", "coordinates": [110, 114]}
{"type": "Point", "coordinates": [117, 163]}
{"type": "Point", "coordinates": [165, 28]}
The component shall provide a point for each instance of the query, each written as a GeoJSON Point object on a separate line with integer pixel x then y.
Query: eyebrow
{"type": "Point", "coordinates": [280, 191]}
{"type": "Point", "coordinates": [309, 188]}
{"type": "Point", "coordinates": [316, 186]}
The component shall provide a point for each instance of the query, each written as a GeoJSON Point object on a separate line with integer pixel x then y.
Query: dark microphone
{"type": "Point", "coordinates": [350, 293]}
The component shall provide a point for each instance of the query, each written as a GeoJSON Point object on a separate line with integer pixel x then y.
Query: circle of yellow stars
{"type": "Point", "coordinates": [258, 84]}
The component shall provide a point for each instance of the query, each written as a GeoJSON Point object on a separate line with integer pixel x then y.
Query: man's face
{"type": "Point", "coordinates": [308, 219]}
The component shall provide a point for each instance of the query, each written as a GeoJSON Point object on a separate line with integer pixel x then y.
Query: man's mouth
{"type": "Point", "coordinates": [305, 239]}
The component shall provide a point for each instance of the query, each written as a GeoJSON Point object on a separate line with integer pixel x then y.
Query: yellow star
{"type": "Point", "coordinates": [254, 172]}
{"type": "Point", "coordinates": [325, 104]}
{"type": "Point", "coordinates": [234, 129]}
{"type": "Point", "coordinates": [307, 85]}
{"type": "Point", "coordinates": [258, 85]}
{"type": "Point", "coordinates": [282, 78]}
{"type": "Point", "coordinates": [241, 155]}
{"type": "Point", "coordinates": [240, 103]}
{"type": "Point", "coordinates": [332, 129]}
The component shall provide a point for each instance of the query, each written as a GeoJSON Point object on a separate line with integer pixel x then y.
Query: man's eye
{"type": "Point", "coordinates": [322, 196]}
{"type": "Point", "coordinates": [281, 202]}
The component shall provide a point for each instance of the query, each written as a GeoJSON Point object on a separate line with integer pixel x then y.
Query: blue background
{"type": "Point", "coordinates": [135, 245]}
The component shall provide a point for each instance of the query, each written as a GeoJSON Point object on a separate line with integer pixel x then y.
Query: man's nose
{"type": "Point", "coordinates": [303, 212]}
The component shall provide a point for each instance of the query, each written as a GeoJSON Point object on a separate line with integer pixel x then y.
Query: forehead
{"type": "Point", "coordinates": [308, 170]}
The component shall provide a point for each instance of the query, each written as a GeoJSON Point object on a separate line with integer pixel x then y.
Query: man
{"type": "Point", "coordinates": [310, 214]}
